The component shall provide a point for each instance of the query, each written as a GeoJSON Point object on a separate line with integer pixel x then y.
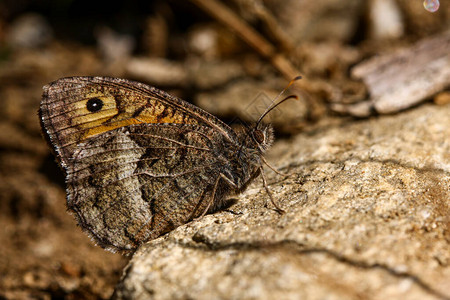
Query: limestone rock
{"type": "Point", "coordinates": [367, 216]}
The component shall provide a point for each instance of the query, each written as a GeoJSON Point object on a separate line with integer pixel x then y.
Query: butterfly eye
{"type": "Point", "coordinates": [259, 136]}
{"type": "Point", "coordinates": [94, 104]}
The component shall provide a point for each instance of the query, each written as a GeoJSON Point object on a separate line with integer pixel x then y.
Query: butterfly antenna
{"type": "Point", "coordinates": [274, 105]}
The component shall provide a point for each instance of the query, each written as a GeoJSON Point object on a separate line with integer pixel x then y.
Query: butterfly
{"type": "Point", "coordinates": [139, 162]}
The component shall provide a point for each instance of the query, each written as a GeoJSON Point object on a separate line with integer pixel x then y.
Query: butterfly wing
{"type": "Point", "coordinates": [138, 161]}
{"type": "Point", "coordinates": [69, 119]}
{"type": "Point", "coordinates": [135, 183]}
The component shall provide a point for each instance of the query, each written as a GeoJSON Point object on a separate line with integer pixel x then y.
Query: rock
{"type": "Point", "coordinates": [114, 46]}
{"type": "Point", "coordinates": [442, 98]}
{"type": "Point", "coordinates": [402, 79]}
{"type": "Point", "coordinates": [29, 30]}
{"type": "Point", "coordinates": [157, 71]}
{"type": "Point", "coordinates": [367, 215]}
{"type": "Point", "coordinates": [212, 75]}
{"type": "Point", "coordinates": [386, 20]}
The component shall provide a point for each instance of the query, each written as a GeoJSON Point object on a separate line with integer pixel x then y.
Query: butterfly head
{"type": "Point", "coordinates": [261, 137]}
{"type": "Point", "coordinates": [262, 134]}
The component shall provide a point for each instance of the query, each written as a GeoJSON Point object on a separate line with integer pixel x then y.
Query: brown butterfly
{"type": "Point", "coordinates": [140, 162]}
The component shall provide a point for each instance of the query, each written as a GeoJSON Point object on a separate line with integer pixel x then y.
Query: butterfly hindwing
{"type": "Point", "coordinates": [137, 182]}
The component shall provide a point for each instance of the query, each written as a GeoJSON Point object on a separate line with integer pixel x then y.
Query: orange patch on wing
{"type": "Point", "coordinates": [153, 119]}
{"type": "Point", "coordinates": [140, 120]}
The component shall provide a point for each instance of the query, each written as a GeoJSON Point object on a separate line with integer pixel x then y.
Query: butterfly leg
{"type": "Point", "coordinates": [233, 185]}
{"type": "Point", "coordinates": [274, 169]}
{"type": "Point", "coordinates": [277, 207]}
{"type": "Point", "coordinates": [216, 184]}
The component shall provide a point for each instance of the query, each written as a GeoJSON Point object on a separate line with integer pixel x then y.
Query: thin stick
{"type": "Point", "coordinates": [272, 25]}
{"type": "Point", "coordinates": [227, 17]}
{"type": "Point", "coordinates": [249, 35]}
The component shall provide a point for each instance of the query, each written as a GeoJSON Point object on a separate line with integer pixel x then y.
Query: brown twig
{"type": "Point", "coordinates": [271, 24]}
{"type": "Point", "coordinates": [226, 16]}
{"type": "Point", "coordinates": [249, 35]}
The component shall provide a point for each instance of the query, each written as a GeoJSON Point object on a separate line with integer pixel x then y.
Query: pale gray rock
{"type": "Point", "coordinates": [386, 20]}
{"type": "Point", "coordinates": [402, 79]}
{"type": "Point", "coordinates": [211, 75]}
{"type": "Point", "coordinates": [367, 217]}
{"type": "Point", "coordinates": [29, 30]}
{"type": "Point", "coordinates": [157, 71]}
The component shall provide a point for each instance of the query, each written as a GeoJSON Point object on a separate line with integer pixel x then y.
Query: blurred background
{"type": "Point", "coordinates": [229, 57]}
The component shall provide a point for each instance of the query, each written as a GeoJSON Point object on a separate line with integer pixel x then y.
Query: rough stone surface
{"type": "Point", "coordinates": [367, 217]}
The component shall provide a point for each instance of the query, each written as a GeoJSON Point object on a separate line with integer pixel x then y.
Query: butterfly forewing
{"type": "Point", "coordinates": [66, 117]}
